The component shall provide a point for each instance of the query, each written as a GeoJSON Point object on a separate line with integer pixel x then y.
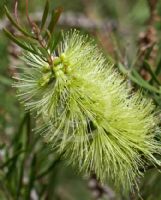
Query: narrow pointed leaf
{"type": "Point", "coordinates": [136, 78]}
{"type": "Point", "coordinates": [148, 67]}
{"type": "Point", "coordinates": [11, 159]}
{"type": "Point", "coordinates": [19, 43]}
{"type": "Point", "coordinates": [144, 83]}
{"type": "Point", "coordinates": [54, 40]}
{"type": "Point", "coordinates": [37, 51]}
{"type": "Point", "coordinates": [31, 178]}
{"type": "Point", "coordinates": [26, 39]}
{"type": "Point", "coordinates": [54, 19]}
{"type": "Point", "coordinates": [50, 168]}
{"type": "Point", "coordinates": [148, 52]}
{"type": "Point", "coordinates": [157, 99]}
{"type": "Point", "coordinates": [15, 24]}
{"type": "Point", "coordinates": [45, 14]}
{"type": "Point", "coordinates": [158, 69]}
{"type": "Point", "coordinates": [43, 52]}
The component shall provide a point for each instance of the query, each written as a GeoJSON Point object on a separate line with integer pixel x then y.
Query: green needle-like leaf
{"type": "Point", "coordinates": [138, 79]}
{"type": "Point", "coordinates": [158, 69]}
{"type": "Point", "coordinates": [54, 40]}
{"type": "Point", "coordinates": [31, 178]}
{"type": "Point", "coordinates": [12, 159]}
{"type": "Point", "coordinates": [54, 19]}
{"type": "Point", "coordinates": [45, 14]}
{"type": "Point", "coordinates": [18, 42]}
{"type": "Point", "coordinates": [148, 67]}
{"type": "Point", "coordinates": [10, 17]}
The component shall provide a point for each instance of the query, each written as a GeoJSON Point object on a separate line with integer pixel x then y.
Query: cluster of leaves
{"type": "Point", "coordinates": [40, 40]}
{"type": "Point", "coordinates": [25, 172]}
{"type": "Point", "coordinates": [152, 87]}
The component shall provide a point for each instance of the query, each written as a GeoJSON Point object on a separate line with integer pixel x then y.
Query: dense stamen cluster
{"type": "Point", "coordinates": [88, 112]}
{"type": "Point", "coordinates": [60, 68]}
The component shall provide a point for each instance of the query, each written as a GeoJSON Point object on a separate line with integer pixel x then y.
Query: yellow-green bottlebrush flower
{"type": "Point", "coordinates": [88, 111]}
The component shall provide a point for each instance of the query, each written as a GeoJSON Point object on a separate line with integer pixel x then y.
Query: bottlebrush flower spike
{"type": "Point", "coordinates": [89, 112]}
